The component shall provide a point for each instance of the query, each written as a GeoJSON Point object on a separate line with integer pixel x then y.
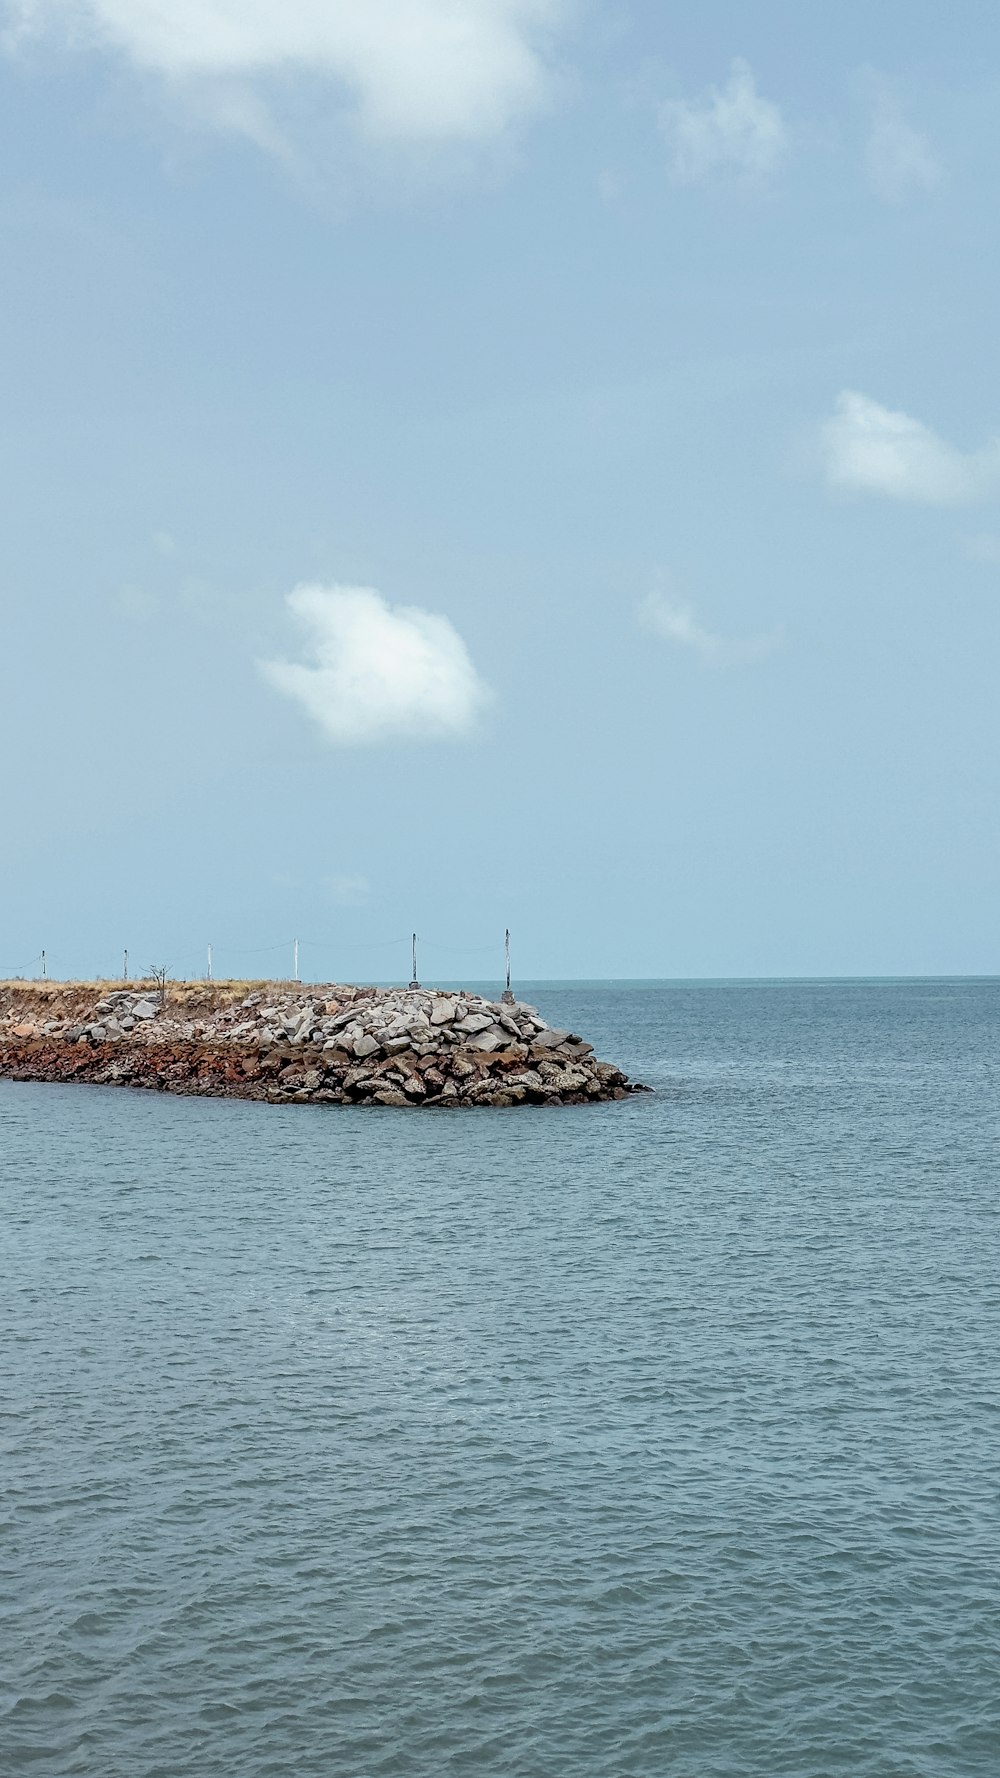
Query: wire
{"type": "Point", "coordinates": [13, 974]}
{"type": "Point", "coordinates": [257, 951]}
{"type": "Point", "coordinates": [327, 944]}
{"type": "Point", "coordinates": [432, 944]}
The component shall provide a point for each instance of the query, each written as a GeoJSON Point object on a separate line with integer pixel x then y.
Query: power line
{"type": "Point", "coordinates": [21, 967]}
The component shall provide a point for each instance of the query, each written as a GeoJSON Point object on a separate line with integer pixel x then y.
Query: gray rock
{"type": "Point", "coordinates": [443, 1012]}
{"type": "Point", "coordinates": [144, 1009]}
{"type": "Point", "coordinates": [365, 1046]}
{"type": "Point", "coordinates": [473, 1021]}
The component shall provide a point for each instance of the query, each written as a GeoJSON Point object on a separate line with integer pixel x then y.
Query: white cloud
{"type": "Point", "coordinates": [416, 70]}
{"type": "Point", "coordinates": [878, 450]}
{"type": "Point", "coordinates": [898, 160]}
{"type": "Point", "coordinates": [348, 891]}
{"type": "Point", "coordinates": [732, 130]}
{"type": "Point", "coordinates": [675, 622]}
{"type": "Point", "coordinates": [378, 672]}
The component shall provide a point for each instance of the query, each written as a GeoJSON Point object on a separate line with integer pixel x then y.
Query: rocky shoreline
{"type": "Point", "coordinates": [291, 1044]}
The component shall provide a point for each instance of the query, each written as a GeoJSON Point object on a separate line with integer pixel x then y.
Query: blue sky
{"type": "Point", "coordinates": [521, 464]}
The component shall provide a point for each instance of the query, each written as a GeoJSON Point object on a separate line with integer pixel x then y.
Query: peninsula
{"type": "Point", "coordinates": [289, 1043]}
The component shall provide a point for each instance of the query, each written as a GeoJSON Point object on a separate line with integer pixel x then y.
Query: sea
{"type": "Point", "coordinates": [609, 1441]}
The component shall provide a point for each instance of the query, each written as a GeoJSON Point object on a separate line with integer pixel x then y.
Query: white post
{"type": "Point", "coordinates": [507, 995]}
{"type": "Point", "coordinates": [209, 962]}
{"type": "Point", "coordinates": [296, 977]}
{"type": "Point", "coordinates": [43, 966]}
{"type": "Point", "coordinates": [125, 969]}
{"type": "Point", "coordinates": [414, 983]}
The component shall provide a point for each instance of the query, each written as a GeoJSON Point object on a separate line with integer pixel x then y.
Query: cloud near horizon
{"type": "Point", "coordinates": [871, 449]}
{"type": "Point", "coordinates": [673, 621]}
{"type": "Point", "coordinates": [728, 130]}
{"type": "Point", "coordinates": [417, 70]}
{"type": "Point", "coordinates": [899, 161]}
{"type": "Point", "coordinates": [378, 672]}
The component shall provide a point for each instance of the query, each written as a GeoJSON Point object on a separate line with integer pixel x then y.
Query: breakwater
{"type": "Point", "coordinates": [292, 1044]}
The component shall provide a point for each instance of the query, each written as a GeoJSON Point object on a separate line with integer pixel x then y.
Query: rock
{"type": "Point", "coordinates": [513, 1057]}
{"type": "Point", "coordinates": [526, 1078]}
{"type": "Point", "coordinates": [565, 1080]}
{"type": "Point", "coordinates": [349, 1044]}
{"type": "Point", "coordinates": [334, 1055]}
{"type": "Point", "coordinates": [390, 1096]}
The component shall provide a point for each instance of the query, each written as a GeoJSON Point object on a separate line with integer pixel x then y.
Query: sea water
{"type": "Point", "coordinates": [648, 1438]}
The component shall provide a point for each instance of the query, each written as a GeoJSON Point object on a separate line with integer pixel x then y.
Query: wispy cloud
{"type": "Point", "coordinates": [873, 449]}
{"type": "Point", "coordinates": [136, 602]}
{"type": "Point", "coordinates": [348, 891]}
{"type": "Point", "coordinates": [378, 672]}
{"type": "Point", "coordinates": [898, 160]}
{"type": "Point", "coordinates": [726, 131]}
{"type": "Point", "coordinates": [412, 70]}
{"type": "Point", "coordinates": [674, 621]}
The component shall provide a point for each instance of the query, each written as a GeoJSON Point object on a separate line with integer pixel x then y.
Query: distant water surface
{"type": "Point", "coordinates": [613, 1441]}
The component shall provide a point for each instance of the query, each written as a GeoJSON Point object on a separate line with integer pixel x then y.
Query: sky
{"type": "Point", "coordinates": [472, 464]}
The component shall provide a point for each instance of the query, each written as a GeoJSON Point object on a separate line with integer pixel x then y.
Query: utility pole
{"type": "Point", "coordinates": [44, 971]}
{"type": "Point", "coordinates": [296, 948]}
{"type": "Point", "coordinates": [209, 962]}
{"type": "Point", "coordinates": [507, 998]}
{"type": "Point", "coordinates": [125, 969]}
{"type": "Point", "coordinates": [414, 983]}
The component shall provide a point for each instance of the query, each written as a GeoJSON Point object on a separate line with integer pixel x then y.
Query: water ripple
{"type": "Point", "coordinates": [657, 1437]}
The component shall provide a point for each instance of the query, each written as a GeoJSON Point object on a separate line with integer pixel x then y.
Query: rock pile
{"type": "Point", "coordinates": [329, 1045]}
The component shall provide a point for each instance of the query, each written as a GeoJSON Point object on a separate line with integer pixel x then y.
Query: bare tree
{"type": "Point", "coordinates": [159, 975]}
